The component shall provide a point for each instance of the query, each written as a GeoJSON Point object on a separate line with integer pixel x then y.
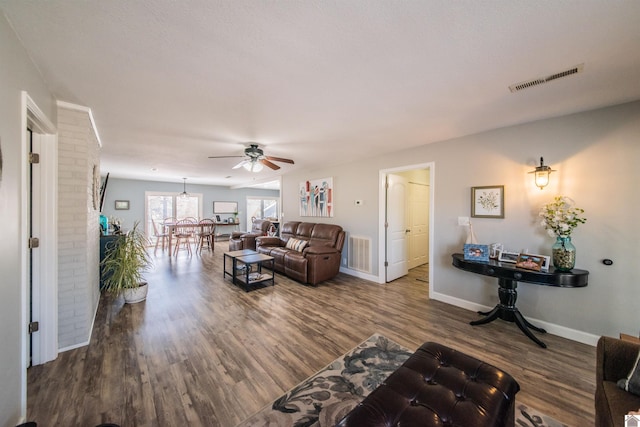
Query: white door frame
{"type": "Point", "coordinates": [45, 341]}
{"type": "Point", "coordinates": [382, 179]}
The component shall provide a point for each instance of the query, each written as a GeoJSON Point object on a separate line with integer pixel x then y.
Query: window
{"type": "Point", "coordinates": [262, 208]}
{"type": "Point", "coordinates": [167, 205]}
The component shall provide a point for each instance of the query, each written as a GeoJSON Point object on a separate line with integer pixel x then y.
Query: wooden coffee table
{"type": "Point", "coordinates": [246, 268]}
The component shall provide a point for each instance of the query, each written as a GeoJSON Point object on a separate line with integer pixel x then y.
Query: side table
{"type": "Point", "coordinates": [241, 266]}
{"type": "Point", "coordinates": [508, 276]}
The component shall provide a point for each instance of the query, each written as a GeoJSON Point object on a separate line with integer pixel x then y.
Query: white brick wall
{"type": "Point", "coordinates": [78, 228]}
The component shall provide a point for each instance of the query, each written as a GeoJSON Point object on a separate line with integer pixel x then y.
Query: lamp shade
{"type": "Point", "coordinates": [541, 174]}
{"type": "Point", "coordinates": [253, 166]}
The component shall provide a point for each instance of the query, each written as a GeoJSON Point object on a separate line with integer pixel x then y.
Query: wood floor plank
{"type": "Point", "coordinates": [201, 351]}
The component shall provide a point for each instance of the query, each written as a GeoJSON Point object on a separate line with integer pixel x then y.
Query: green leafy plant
{"type": "Point", "coordinates": [125, 261]}
{"type": "Point", "coordinates": [560, 217]}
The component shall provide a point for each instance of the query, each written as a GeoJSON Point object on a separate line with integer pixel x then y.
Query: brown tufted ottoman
{"type": "Point", "coordinates": [439, 386]}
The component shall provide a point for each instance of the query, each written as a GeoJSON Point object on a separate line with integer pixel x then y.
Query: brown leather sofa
{"type": "Point", "coordinates": [439, 386]}
{"type": "Point", "coordinates": [318, 261]}
{"type": "Point", "coordinates": [614, 361]}
{"type": "Point", "coordinates": [247, 239]}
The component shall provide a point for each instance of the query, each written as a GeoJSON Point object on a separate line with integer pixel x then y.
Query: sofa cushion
{"type": "Point", "coordinates": [296, 244]}
{"type": "Point", "coordinates": [632, 382]}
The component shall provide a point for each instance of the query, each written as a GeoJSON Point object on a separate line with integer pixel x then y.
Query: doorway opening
{"type": "Point", "coordinates": [406, 206]}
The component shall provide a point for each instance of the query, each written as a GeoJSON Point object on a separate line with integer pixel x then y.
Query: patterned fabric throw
{"type": "Point", "coordinates": [296, 244]}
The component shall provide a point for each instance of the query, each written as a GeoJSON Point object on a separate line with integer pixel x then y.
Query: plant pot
{"type": "Point", "coordinates": [133, 295]}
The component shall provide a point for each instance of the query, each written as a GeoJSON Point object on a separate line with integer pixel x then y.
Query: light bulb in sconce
{"type": "Point", "coordinates": [541, 174]}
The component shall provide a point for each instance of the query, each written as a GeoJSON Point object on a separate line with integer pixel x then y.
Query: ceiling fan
{"type": "Point", "coordinates": [255, 158]}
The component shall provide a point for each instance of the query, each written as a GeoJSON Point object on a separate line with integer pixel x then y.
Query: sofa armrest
{"type": "Point", "coordinates": [269, 241]}
{"type": "Point", "coordinates": [236, 234]}
{"type": "Point", "coordinates": [614, 358]}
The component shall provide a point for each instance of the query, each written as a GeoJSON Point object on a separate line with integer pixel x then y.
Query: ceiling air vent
{"type": "Point", "coordinates": [535, 82]}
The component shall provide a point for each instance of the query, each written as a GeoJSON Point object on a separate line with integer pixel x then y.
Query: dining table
{"type": "Point", "coordinates": [170, 227]}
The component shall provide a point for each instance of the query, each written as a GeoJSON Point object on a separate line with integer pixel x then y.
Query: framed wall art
{"type": "Point", "coordinates": [122, 205]}
{"type": "Point", "coordinates": [487, 202]}
{"type": "Point", "coordinates": [316, 197]}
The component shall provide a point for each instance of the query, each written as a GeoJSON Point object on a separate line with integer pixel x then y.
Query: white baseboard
{"type": "Point", "coordinates": [552, 328]}
{"type": "Point", "coordinates": [360, 274]}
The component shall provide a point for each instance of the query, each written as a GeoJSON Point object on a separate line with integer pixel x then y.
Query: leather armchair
{"type": "Point", "coordinates": [247, 239]}
{"type": "Point", "coordinates": [614, 360]}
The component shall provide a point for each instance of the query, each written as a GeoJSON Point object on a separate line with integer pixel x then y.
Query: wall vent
{"type": "Point", "coordinates": [359, 253]}
{"type": "Point", "coordinates": [535, 82]}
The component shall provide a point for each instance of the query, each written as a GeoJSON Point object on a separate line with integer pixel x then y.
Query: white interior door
{"type": "Point", "coordinates": [396, 228]}
{"type": "Point", "coordinates": [418, 224]}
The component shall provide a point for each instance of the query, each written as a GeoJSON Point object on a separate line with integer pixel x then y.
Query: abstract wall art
{"type": "Point", "coordinates": [316, 197]}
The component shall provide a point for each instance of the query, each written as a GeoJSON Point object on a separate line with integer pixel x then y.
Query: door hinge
{"type": "Point", "coordinates": [34, 158]}
{"type": "Point", "coordinates": [386, 263]}
{"type": "Point", "coordinates": [33, 327]}
{"type": "Point", "coordinates": [34, 242]}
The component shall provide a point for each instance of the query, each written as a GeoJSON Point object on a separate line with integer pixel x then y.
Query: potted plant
{"type": "Point", "coordinates": [125, 260]}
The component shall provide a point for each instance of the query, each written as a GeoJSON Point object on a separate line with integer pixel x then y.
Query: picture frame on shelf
{"type": "Point", "coordinates": [475, 252]}
{"type": "Point", "coordinates": [546, 261]}
{"type": "Point", "coordinates": [530, 262]}
{"type": "Point", "coordinates": [487, 201]}
{"type": "Point", "coordinates": [507, 256]}
{"type": "Point", "coordinates": [122, 205]}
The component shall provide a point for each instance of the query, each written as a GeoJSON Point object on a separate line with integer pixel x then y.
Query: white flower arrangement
{"type": "Point", "coordinates": [560, 217]}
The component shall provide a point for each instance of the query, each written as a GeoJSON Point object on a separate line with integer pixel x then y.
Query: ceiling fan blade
{"type": "Point", "coordinates": [267, 163]}
{"type": "Point", "coordinates": [279, 159]}
{"type": "Point", "coordinates": [223, 157]}
{"type": "Point", "coordinates": [242, 163]}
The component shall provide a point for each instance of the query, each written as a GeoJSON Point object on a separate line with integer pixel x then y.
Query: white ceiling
{"type": "Point", "coordinates": [321, 82]}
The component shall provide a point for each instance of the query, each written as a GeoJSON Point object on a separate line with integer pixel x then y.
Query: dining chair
{"type": "Point", "coordinates": [182, 235]}
{"type": "Point", "coordinates": [192, 220]}
{"type": "Point", "coordinates": [160, 235]}
{"type": "Point", "coordinates": [205, 234]}
{"type": "Point", "coordinates": [166, 223]}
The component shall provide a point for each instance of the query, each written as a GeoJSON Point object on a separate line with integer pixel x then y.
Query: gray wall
{"type": "Point", "coordinates": [596, 155]}
{"type": "Point", "coordinates": [134, 191]}
{"type": "Point", "coordinates": [18, 74]}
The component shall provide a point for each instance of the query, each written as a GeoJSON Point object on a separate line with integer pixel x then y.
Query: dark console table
{"type": "Point", "coordinates": [508, 277]}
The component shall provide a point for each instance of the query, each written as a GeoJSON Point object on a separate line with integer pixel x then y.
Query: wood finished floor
{"type": "Point", "coordinates": [202, 352]}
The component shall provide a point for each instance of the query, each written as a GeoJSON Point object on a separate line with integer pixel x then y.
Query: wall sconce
{"type": "Point", "coordinates": [541, 176]}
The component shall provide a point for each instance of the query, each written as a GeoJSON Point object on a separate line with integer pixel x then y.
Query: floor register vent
{"type": "Point", "coordinates": [359, 253]}
{"type": "Point", "coordinates": [535, 82]}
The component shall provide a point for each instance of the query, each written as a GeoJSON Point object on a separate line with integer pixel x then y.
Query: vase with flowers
{"type": "Point", "coordinates": [559, 218]}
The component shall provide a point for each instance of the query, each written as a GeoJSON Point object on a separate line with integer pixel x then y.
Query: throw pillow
{"type": "Point", "coordinates": [632, 382]}
{"type": "Point", "coordinates": [296, 244]}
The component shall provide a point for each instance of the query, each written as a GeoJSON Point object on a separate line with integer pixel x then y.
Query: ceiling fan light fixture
{"type": "Point", "coordinates": [253, 166]}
